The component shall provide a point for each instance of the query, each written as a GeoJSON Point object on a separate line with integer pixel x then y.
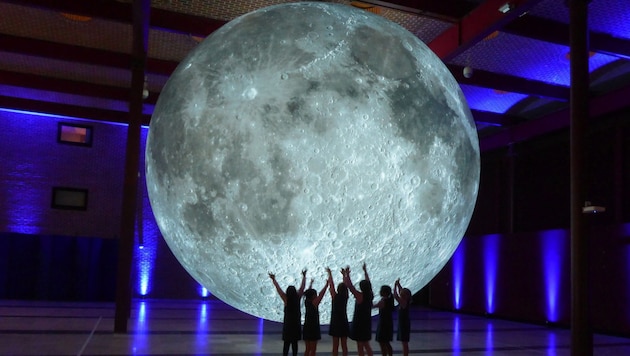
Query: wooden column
{"type": "Point", "coordinates": [141, 11]}
{"type": "Point", "coordinates": [581, 333]}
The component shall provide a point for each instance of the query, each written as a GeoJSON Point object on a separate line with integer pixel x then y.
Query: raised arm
{"type": "Point", "coordinates": [303, 284]}
{"type": "Point", "coordinates": [367, 278]}
{"type": "Point", "coordinates": [397, 289]}
{"type": "Point", "coordinates": [331, 284]}
{"type": "Point", "coordinates": [348, 282]}
{"type": "Point", "coordinates": [321, 294]}
{"type": "Point", "coordinates": [278, 289]}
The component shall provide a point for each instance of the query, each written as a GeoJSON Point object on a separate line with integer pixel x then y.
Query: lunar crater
{"type": "Point", "coordinates": [277, 148]}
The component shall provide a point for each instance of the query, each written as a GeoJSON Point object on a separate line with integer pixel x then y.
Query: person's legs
{"type": "Point", "coordinates": [388, 349]}
{"type": "Point", "coordinates": [344, 346]}
{"type": "Point", "coordinates": [360, 348]}
{"type": "Point", "coordinates": [309, 347]}
{"type": "Point", "coordinates": [383, 347]}
{"type": "Point", "coordinates": [294, 347]}
{"type": "Point", "coordinates": [368, 349]}
{"type": "Point", "coordinates": [335, 350]}
{"type": "Point", "coordinates": [285, 348]}
{"type": "Point", "coordinates": [405, 347]}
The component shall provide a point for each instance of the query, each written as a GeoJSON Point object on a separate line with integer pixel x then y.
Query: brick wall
{"type": "Point", "coordinates": [33, 162]}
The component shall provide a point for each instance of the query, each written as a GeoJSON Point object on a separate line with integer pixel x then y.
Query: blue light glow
{"type": "Point", "coordinates": [147, 235]}
{"type": "Point", "coordinates": [261, 332]}
{"type": "Point", "coordinates": [203, 292]}
{"type": "Point", "coordinates": [456, 337]}
{"type": "Point", "coordinates": [489, 100]}
{"type": "Point", "coordinates": [458, 274]}
{"type": "Point", "coordinates": [140, 339]}
{"type": "Point", "coordinates": [491, 258]}
{"type": "Point", "coordinates": [551, 344]}
{"type": "Point", "coordinates": [489, 337]}
{"type": "Point", "coordinates": [142, 315]}
{"type": "Point", "coordinates": [553, 242]}
{"type": "Point", "coordinates": [201, 336]}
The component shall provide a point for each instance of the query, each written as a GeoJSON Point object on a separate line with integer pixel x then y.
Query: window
{"type": "Point", "coordinates": [74, 134]}
{"type": "Point", "coordinates": [69, 198]}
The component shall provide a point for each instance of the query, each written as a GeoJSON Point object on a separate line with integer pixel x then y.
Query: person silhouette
{"type": "Point", "coordinates": [312, 330]}
{"type": "Point", "coordinates": [291, 325]}
{"type": "Point", "coordinates": [339, 327]}
{"type": "Point", "coordinates": [361, 327]}
{"type": "Point", "coordinates": [385, 326]}
{"type": "Point", "coordinates": [403, 297]}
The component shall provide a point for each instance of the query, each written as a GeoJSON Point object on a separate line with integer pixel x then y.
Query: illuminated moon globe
{"type": "Point", "coordinates": [311, 135]}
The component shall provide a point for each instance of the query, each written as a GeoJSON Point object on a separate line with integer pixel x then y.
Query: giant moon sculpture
{"type": "Point", "coordinates": [311, 135]}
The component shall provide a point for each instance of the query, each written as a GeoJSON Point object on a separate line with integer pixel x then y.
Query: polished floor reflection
{"type": "Point", "coordinates": [159, 327]}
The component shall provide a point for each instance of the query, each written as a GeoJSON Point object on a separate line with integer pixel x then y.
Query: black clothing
{"type": "Point", "coordinates": [292, 326]}
{"type": "Point", "coordinates": [385, 326]}
{"type": "Point", "coordinates": [339, 326]}
{"type": "Point", "coordinates": [361, 328]}
{"type": "Point", "coordinates": [312, 329]}
{"type": "Point", "coordinates": [404, 325]}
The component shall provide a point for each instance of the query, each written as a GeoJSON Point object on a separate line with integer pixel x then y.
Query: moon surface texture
{"type": "Point", "coordinates": [311, 135]}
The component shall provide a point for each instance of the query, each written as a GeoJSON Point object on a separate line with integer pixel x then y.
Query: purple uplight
{"type": "Point", "coordinates": [458, 272]}
{"type": "Point", "coordinates": [491, 258]}
{"type": "Point", "coordinates": [553, 242]}
{"type": "Point", "coordinates": [203, 292]}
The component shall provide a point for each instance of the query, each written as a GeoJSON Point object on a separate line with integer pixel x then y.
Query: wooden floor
{"type": "Point", "coordinates": [159, 327]}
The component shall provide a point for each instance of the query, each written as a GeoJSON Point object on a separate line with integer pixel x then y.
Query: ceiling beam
{"type": "Point", "coordinates": [478, 24]}
{"type": "Point", "coordinates": [555, 32]}
{"type": "Point", "coordinates": [119, 11]}
{"type": "Point", "coordinates": [66, 86]}
{"type": "Point", "coordinates": [72, 53]}
{"type": "Point", "coordinates": [446, 10]}
{"type": "Point", "coordinates": [510, 83]}
{"type": "Point", "coordinates": [494, 119]}
{"type": "Point", "coordinates": [74, 111]}
{"type": "Point", "coordinates": [598, 107]}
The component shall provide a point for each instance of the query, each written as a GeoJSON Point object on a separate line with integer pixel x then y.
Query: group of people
{"type": "Point", "coordinates": [360, 330]}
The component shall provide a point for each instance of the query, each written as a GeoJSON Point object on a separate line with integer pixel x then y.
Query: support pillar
{"type": "Point", "coordinates": [141, 10]}
{"type": "Point", "coordinates": [581, 333]}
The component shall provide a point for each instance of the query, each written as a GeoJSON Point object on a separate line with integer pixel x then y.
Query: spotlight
{"type": "Point", "coordinates": [145, 89]}
{"type": "Point", "coordinates": [589, 208]}
{"type": "Point", "coordinates": [468, 72]}
{"type": "Point", "coordinates": [507, 7]}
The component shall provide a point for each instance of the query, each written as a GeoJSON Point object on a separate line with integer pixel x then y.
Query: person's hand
{"type": "Point", "coordinates": [272, 276]}
{"type": "Point", "coordinates": [304, 272]}
{"type": "Point", "coordinates": [397, 282]}
{"type": "Point", "coordinates": [328, 270]}
{"type": "Point", "coordinates": [364, 266]}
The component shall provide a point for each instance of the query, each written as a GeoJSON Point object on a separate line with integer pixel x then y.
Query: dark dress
{"type": "Point", "coordinates": [339, 326]}
{"type": "Point", "coordinates": [361, 328]}
{"type": "Point", "coordinates": [385, 326]}
{"type": "Point", "coordinates": [404, 326]}
{"type": "Point", "coordinates": [312, 329]}
{"type": "Point", "coordinates": [291, 327]}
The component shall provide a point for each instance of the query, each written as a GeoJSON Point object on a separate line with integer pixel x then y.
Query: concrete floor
{"type": "Point", "coordinates": [169, 327]}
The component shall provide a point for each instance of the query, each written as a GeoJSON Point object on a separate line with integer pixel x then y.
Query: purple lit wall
{"type": "Point", "coordinates": [458, 275]}
{"type": "Point", "coordinates": [491, 262]}
{"type": "Point", "coordinates": [555, 254]}
{"type": "Point", "coordinates": [33, 162]}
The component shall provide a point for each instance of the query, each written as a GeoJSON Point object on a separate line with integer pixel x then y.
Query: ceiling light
{"type": "Point", "coordinates": [75, 17]}
{"type": "Point", "coordinates": [468, 72]}
{"type": "Point", "coordinates": [145, 88]}
{"type": "Point", "coordinates": [507, 7]}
